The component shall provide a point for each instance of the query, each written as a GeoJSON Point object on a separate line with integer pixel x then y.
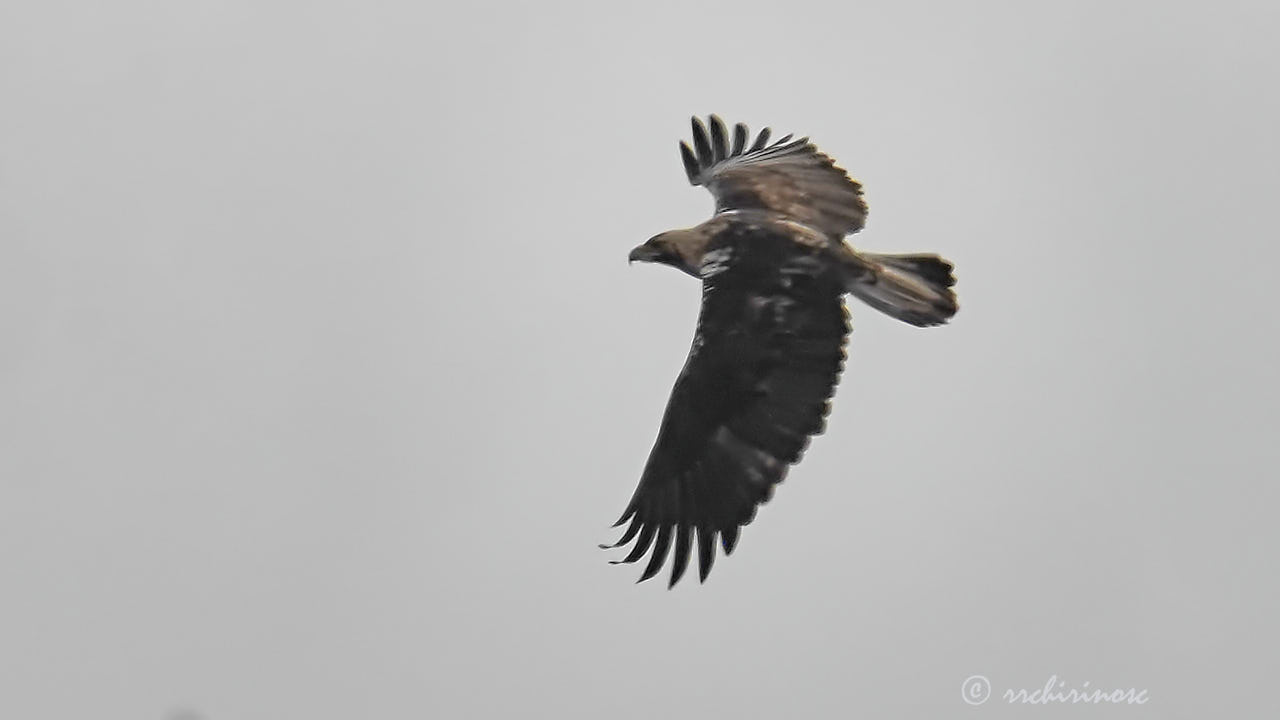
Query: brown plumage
{"type": "Point", "coordinates": [769, 347]}
{"type": "Point", "coordinates": [790, 178]}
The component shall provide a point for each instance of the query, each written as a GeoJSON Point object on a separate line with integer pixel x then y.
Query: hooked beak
{"type": "Point", "coordinates": [644, 253]}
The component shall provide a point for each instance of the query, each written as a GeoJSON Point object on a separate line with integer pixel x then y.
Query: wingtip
{"type": "Point", "coordinates": [659, 557]}
{"type": "Point", "coordinates": [706, 552]}
{"type": "Point", "coordinates": [629, 533]}
{"type": "Point", "coordinates": [691, 167]}
{"type": "Point", "coordinates": [719, 139]}
{"type": "Point", "coordinates": [762, 140]}
{"type": "Point", "coordinates": [740, 135]}
{"type": "Point", "coordinates": [729, 539]}
{"type": "Point", "coordinates": [701, 142]}
{"type": "Point", "coordinates": [652, 569]}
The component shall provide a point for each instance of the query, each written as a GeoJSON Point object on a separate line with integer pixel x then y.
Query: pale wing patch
{"type": "Point", "coordinates": [715, 262]}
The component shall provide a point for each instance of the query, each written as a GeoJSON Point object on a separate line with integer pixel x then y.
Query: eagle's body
{"type": "Point", "coordinates": [770, 341]}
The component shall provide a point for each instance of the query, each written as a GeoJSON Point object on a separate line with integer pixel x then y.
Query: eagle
{"type": "Point", "coordinates": [770, 341]}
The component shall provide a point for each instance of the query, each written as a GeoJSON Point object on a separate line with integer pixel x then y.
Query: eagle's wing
{"type": "Point", "coordinates": [788, 177]}
{"type": "Point", "coordinates": [768, 351]}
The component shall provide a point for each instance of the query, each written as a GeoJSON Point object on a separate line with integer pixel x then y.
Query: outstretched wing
{"type": "Point", "coordinates": [765, 360]}
{"type": "Point", "coordinates": [788, 177]}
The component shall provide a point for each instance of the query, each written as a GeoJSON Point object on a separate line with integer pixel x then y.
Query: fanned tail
{"type": "Point", "coordinates": [915, 289]}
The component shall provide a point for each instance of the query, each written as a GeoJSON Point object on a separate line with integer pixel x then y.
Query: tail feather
{"type": "Point", "coordinates": [912, 288]}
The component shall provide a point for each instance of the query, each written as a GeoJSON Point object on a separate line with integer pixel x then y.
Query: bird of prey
{"type": "Point", "coordinates": [769, 345]}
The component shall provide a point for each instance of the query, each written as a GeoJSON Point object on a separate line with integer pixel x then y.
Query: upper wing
{"type": "Point", "coordinates": [765, 360]}
{"type": "Point", "coordinates": [791, 178]}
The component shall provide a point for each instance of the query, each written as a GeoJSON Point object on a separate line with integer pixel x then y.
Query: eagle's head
{"type": "Point", "coordinates": [681, 249]}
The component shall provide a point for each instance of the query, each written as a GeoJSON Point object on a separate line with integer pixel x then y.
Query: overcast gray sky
{"type": "Point", "coordinates": [324, 372]}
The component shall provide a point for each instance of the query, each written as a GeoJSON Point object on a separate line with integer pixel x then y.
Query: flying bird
{"type": "Point", "coordinates": [770, 341]}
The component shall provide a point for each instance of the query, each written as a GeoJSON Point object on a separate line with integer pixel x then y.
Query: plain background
{"type": "Point", "coordinates": [323, 370]}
